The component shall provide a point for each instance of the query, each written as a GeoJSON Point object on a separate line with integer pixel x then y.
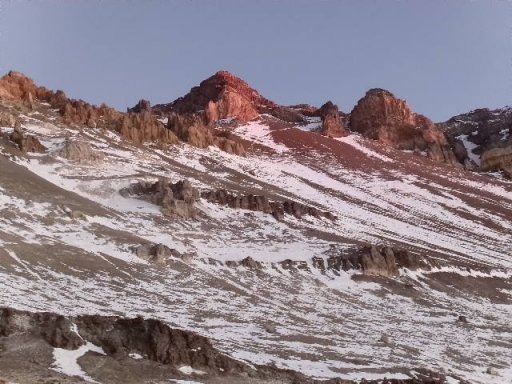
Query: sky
{"type": "Point", "coordinates": [443, 57]}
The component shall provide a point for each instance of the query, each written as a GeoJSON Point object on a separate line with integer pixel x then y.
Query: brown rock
{"type": "Point", "coordinates": [250, 263]}
{"type": "Point", "coordinates": [262, 204]}
{"type": "Point", "coordinates": [7, 120]}
{"type": "Point", "coordinates": [141, 106]}
{"type": "Point", "coordinates": [374, 260]}
{"type": "Point", "coordinates": [174, 199]}
{"type": "Point", "coordinates": [221, 96]}
{"type": "Point", "coordinates": [497, 159]}
{"type": "Point", "coordinates": [379, 115]}
{"type": "Point", "coordinates": [27, 143]}
{"type": "Point", "coordinates": [55, 329]}
{"type": "Point", "coordinates": [332, 125]}
{"type": "Point", "coordinates": [80, 151]}
{"type": "Point", "coordinates": [192, 130]}
{"type": "Point", "coordinates": [155, 253]}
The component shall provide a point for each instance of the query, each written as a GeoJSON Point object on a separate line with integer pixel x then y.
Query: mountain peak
{"type": "Point", "coordinates": [222, 95]}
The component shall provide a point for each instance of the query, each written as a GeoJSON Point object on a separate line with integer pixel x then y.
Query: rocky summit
{"type": "Point", "coordinates": [225, 238]}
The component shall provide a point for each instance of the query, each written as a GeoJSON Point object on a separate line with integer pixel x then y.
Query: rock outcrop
{"type": "Point", "coordinates": [16, 86]}
{"type": "Point", "coordinates": [80, 151]}
{"type": "Point", "coordinates": [137, 127]}
{"type": "Point", "coordinates": [26, 143]}
{"type": "Point", "coordinates": [261, 203]}
{"type": "Point", "coordinates": [374, 260]}
{"type": "Point", "coordinates": [7, 120]}
{"type": "Point", "coordinates": [371, 260]}
{"type": "Point", "coordinates": [332, 126]}
{"type": "Point", "coordinates": [379, 115]}
{"type": "Point", "coordinates": [192, 130]}
{"type": "Point", "coordinates": [176, 199]}
{"type": "Point", "coordinates": [155, 253]}
{"type": "Point", "coordinates": [221, 96]}
{"type": "Point", "coordinates": [497, 159]}
{"type": "Point", "coordinates": [154, 341]}
{"type": "Point", "coordinates": [55, 329]}
{"type": "Point", "coordinates": [482, 139]}
{"type": "Point", "coordinates": [141, 106]}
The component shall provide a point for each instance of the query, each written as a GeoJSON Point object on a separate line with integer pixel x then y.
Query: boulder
{"type": "Point", "coordinates": [155, 253]}
{"type": "Point", "coordinates": [80, 151]}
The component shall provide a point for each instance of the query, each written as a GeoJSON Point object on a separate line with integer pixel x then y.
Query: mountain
{"type": "Point", "coordinates": [172, 244]}
{"type": "Point", "coordinates": [482, 139]}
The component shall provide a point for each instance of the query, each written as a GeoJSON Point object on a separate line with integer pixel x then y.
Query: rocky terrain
{"type": "Point", "coordinates": [224, 238]}
{"type": "Point", "coordinates": [482, 139]}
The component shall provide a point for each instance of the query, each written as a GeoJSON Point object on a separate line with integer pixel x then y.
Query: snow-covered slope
{"type": "Point", "coordinates": [328, 323]}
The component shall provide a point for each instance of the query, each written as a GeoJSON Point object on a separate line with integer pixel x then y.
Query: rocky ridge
{"type": "Point", "coordinates": [151, 340]}
{"type": "Point", "coordinates": [483, 139]}
{"type": "Point", "coordinates": [261, 203]}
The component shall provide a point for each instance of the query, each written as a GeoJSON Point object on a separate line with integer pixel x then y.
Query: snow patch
{"type": "Point", "coordinates": [188, 370]}
{"type": "Point", "coordinates": [66, 361]}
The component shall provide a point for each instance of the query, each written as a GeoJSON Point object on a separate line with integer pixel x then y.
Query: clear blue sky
{"type": "Point", "coordinates": [444, 57]}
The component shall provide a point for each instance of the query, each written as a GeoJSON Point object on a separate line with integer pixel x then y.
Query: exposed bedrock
{"type": "Point", "coordinates": [221, 96]}
{"type": "Point", "coordinates": [7, 120]}
{"type": "Point", "coordinates": [156, 253]}
{"type": "Point", "coordinates": [78, 150]}
{"type": "Point", "coordinates": [332, 125]}
{"type": "Point", "coordinates": [25, 142]}
{"type": "Point", "coordinates": [371, 260]}
{"type": "Point", "coordinates": [176, 199]}
{"type": "Point", "coordinates": [261, 203]}
{"type": "Point", "coordinates": [488, 135]}
{"type": "Point", "coordinates": [374, 260]}
{"type": "Point", "coordinates": [497, 159]}
{"type": "Point", "coordinates": [192, 130]}
{"type": "Point", "coordinates": [379, 115]}
{"type": "Point", "coordinates": [155, 341]}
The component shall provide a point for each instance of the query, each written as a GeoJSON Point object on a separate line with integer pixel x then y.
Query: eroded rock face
{"type": "Point", "coordinates": [7, 120]}
{"type": "Point", "coordinates": [379, 115]}
{"type": "Point", "coordinates": [141, 106]}
{"type": "Point", "coordinates": [155, 253]}
{"type": "Point", "coordinates": [155, 341]}
{"type": "Point", "coordinates": [174, 199]}
{"type": "Point", "coordinates": [136, 127]}
{"type": "Point", "coordinates": [192, 130]}
{"type": "Point", "coordinates": [260, 203]}
{"type": "Point", "coordinates": [221, 96]}
{"type": "Point", "coordinates": [372, 260]}
{"type": "Point", "coordinates": [55, 329]}
{"type": "Point", "coordinates": [497, 159]}
{"type": "Point", "coordinates": [27, 143]}
{"type": "Point", "coordinates": [383, 261]}
{"type": "Point", "coordinates": [332, 126]}
{"type": "Point", "coordinates": [80, 151]}
{"type": "Point", "coordinates": [488, 136]}
{"type": "Point", "coordinates": [17, 86]}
